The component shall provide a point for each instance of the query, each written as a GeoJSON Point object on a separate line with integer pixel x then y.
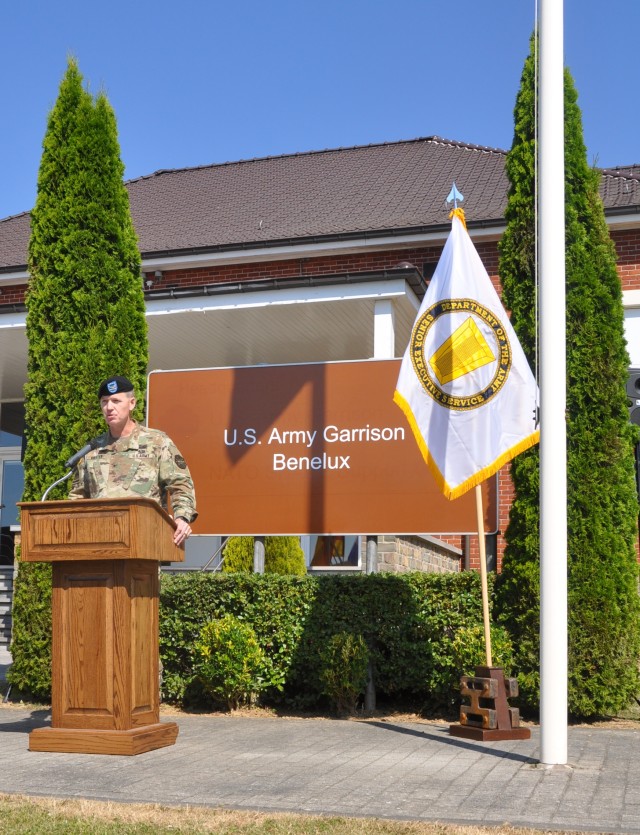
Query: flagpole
{"type": "Point", "coordinates": [553, 432]}
{"type": "Point", "coordinates": [483, 575]}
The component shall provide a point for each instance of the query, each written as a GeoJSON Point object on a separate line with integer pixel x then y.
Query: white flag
{"type": "Point", "coordinates": [465, 384]}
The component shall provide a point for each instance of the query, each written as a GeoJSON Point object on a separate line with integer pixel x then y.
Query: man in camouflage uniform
{"type": "Point", "coordinates": [130, 460]}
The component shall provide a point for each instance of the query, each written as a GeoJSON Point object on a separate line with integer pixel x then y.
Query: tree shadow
{"type": "Point", "coordinates": [26, 724]}
{"type": "Point", "coordinates": [403, 625]}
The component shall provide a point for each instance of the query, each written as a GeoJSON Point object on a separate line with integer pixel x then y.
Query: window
{"type": "Point", "coordinates": [331, 552]}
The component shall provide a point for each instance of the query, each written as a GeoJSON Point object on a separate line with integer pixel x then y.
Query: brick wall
{"type": "Point", "coordinates": [628, 248]}
{"type": "Point", "coordinates": [468, 545]}
{"type": "Point", "coordinates": [325, 265]}
{"type": "Point", "coordinates": [13, 294]}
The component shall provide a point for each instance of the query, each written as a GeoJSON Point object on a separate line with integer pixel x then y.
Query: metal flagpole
{"type": "Point", "coordinates": [553, 435]}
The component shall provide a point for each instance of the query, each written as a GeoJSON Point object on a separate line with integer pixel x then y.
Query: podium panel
{"type": "Point", "coordinates": [143, 590]}
{"type": "Point", "coordinates": [105, 624]}
{"type": "Point", "coordinates": [82, 646]}
{"type": "Point", "coordinates": [105, 690]}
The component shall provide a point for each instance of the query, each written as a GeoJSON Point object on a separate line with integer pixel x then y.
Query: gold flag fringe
{"type": "Point", "coordinates": [459, 213]}
{"type": "Point", "coordinates": [486, 472]}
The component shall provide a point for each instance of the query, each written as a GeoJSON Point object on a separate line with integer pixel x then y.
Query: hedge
{"type": "Point", "coordinates": [409, 622]}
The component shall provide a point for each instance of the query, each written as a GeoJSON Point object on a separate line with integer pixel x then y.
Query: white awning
{"type": "Point", "coordinates": [276, 325]}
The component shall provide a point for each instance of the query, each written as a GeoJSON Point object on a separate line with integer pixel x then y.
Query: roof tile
{"type": "Point", "coordinates": [345, 191]}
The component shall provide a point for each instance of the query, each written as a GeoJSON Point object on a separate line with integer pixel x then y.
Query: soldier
{"type": "Point", "coordinates": [130, 460]}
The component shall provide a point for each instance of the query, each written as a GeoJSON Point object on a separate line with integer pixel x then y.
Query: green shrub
{"type": "Point", "coordinates": [469, 649]}
{"type": "Point", "coordinates": [345, 665]}
{"type": "Point", "coordinates": [228, 661]}
{"type": "Point", "coordinates": [30, 674]}
{"type": "Point", "coordinates": [282, 555]}
{"type": "Point", "coordinates": [408, 622]}
{"type": "Point", "coordinates": [276, 607]}
{"type": "Point", "coordinates": [238, 555]}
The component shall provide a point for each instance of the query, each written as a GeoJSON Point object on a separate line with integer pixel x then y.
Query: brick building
{"type": "Point", "coordinates": [310, 257]}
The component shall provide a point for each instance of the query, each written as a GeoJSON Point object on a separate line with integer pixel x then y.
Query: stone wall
{"type": "Point", "coordinates": [398, 554]}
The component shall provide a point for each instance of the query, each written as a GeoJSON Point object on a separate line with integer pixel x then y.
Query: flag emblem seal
{"type": "Point", "coordinates": [460, 352]}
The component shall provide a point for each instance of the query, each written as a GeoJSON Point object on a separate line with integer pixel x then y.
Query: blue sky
{"type": "Point", "coordinates": [202, 81]}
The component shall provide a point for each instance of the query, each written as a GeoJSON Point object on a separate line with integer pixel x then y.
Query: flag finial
{"type": "Point", "coordinates": [455, 195]}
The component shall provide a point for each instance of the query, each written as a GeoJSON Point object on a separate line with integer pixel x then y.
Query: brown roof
{"type": "Point", "coordinates": [340, 193]}
{"type": "Point", "coordinates": [370, 189]}
{"type": "Point", "coordinates": [14, 239]}
{"type": "Point", "coordinates": [620, 187]}
{"type": "Point", "coordinates": [624, 170]}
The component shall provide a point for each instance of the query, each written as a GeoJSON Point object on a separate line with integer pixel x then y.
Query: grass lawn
{"type": "Point", "coordinates": [20, 815]}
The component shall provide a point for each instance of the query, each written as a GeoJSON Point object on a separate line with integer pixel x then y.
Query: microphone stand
{"type": "Point", "coordinates": [70, 464]}
{"type": "Point", "coordinates": [55, 484]}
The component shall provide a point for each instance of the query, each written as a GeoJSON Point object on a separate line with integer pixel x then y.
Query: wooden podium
{"type": "Point", "coordinates": [105, 554]}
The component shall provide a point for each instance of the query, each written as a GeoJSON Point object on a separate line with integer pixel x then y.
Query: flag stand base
{"type": "Point", "coordinates": [488, 717]}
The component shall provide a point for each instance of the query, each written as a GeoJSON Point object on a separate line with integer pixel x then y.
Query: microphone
{"type": "Point", "coordinates": [71, 462]}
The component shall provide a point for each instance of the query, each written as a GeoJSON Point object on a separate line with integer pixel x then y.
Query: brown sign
{"type": "Point", "coordinates": [319, 448]}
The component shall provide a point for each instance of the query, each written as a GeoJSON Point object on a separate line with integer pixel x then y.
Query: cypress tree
{"type": "Point", "coordinates": [85, 322]}
{"type": "Point", "coordinates": [604, 623]}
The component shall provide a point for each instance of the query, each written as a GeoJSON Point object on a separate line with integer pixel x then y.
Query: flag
{"type": "Point", "coordinates": [465, 385]}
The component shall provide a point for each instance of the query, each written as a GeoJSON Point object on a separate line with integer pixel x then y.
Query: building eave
{"type": "Point", "coordinates": [293, 248]}
{"type": "Point", "coordinates": [309, 247]}
{"type": "Point", "coordinates": [357, 242]}
{"type": "Point", "coordinates": [623, 218]}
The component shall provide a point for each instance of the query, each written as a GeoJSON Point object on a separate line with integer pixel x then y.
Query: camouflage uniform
{"type": "Point", "coordinates": [145, 463]}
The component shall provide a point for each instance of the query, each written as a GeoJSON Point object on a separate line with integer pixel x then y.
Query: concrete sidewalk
{"type": "Point", "coordinates": [387, 769]}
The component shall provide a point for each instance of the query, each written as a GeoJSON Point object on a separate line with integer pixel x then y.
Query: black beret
{"type": "Point", "coordinates": [114, 385]}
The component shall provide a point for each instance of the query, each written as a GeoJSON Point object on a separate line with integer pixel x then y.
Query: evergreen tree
{"type": "Point", "coordinates": [85, 322]}
{"type": "Point", "coordinates": [604, 623]}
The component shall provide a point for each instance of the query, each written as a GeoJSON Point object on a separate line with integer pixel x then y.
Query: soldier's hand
{"type": "Point", "coordinates": [182, 531]}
